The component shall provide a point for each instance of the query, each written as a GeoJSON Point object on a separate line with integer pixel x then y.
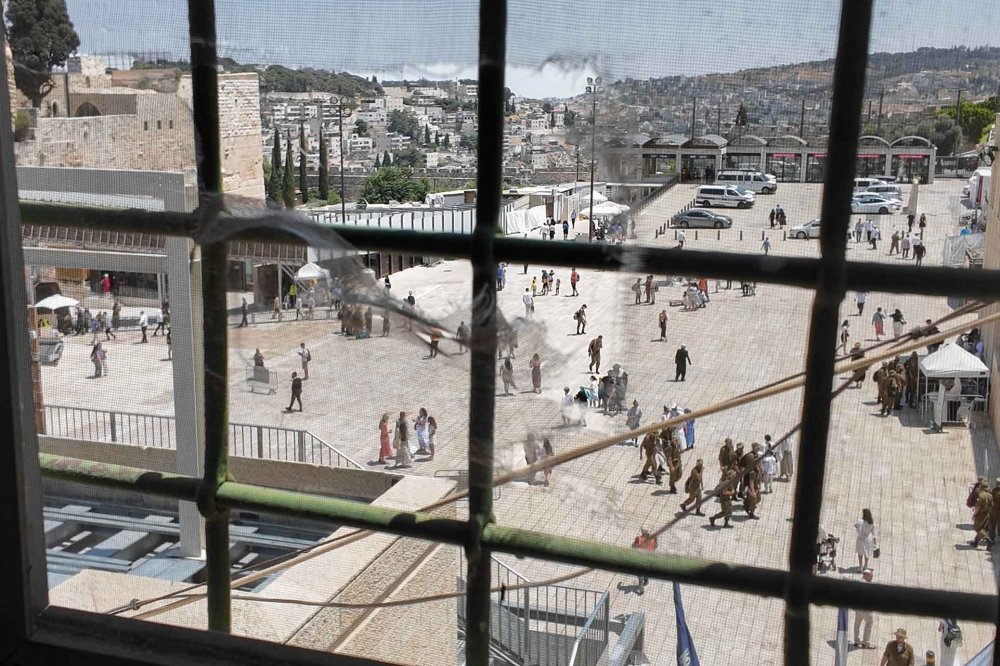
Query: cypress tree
{"type": "Point", "coordinates": [447, 141]}
{"type": "Point", "coordinates": [288, 179]}
{"type": "Point", "coordinates": [427, 135]}
{"type": "Point", "coordinates": [378, 162]}
{"type": "Point", "coordinates": [274, 186]}
{"type": "Point", "coordinates": [437, 139]}
{"type": "Point", "coordinates": [324, 169]}
{"type": "Point", "coordinates": [303, 175]}
{"type": "Point", "coordinates": [386, 159]}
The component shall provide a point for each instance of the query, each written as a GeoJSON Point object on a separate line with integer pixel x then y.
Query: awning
{"type": "Point", "coordinates": [952, 361]}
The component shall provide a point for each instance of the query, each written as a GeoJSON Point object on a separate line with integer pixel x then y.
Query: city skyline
{"type": "Point", "coordinates": [550, 54]}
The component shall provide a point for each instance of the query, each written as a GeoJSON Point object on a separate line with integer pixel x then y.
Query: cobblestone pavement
{"type": "Point", "coordinates": [914, 482]}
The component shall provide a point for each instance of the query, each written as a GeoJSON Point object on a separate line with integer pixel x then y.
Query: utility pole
{"type": "Point", "coordinates": [878, 125]}
{"type": "Point", "coordinates": [869, 121]}
{"type": "Point", "coordinates": [577, 179]}
{"type": "Point", "coordinates": [694, 107]}
{"type": "Point", "coordinates": [958, 109]}
{"type": "Point", "coordinates": [718, 121]}
{"type": "Point", "coordinates": [340, 127]}
{"type": "Point", "coordinates": [802, 120]}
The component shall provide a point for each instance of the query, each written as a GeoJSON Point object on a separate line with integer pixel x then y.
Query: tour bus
{"type": "Point", "coordinates": [721, 195]}
{"type": "Point", "coordinates": [753, 181]}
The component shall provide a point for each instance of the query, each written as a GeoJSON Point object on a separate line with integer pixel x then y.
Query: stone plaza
{"type": "Point", "coordinates": [914, 481]}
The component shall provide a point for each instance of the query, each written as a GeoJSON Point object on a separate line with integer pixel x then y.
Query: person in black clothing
{"type": "Point", "coordinates": [296, 392]}
{"type": "Point", "coordinates": [244, 310]}
{"type": "Point", "coordinates": [931, 329]}
{"type": "Point", "coordinates": [682, 359]}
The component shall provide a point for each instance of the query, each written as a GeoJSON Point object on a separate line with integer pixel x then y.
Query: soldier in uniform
{"type": "Point", "coordinates": [751, 483]}
{"type": "Point", "coordinates": [981, 516]}
{"type": "Point", "coordinates": [747, 463]}
{"type": "Point", "coordinates": [995, 513]}
{"type": "Point", "coordinates": [726, 454]}
{"type": "Point", "coordinates": [912, 366]}
{"type": "Point", "coordinates": [725, 491]}
{"type": "Point", "coordinates": [901, 380]}
{"type": "Point", "coordinates": [887, 397]}
{"type": "Point", "coordinates": [675, 465]}
{"type": "Point", "coordinates": [877, 377]}
{"type": "Point", "coordinates": [693, 487]}
{"type": "Point", "coordinates": [649, 448]}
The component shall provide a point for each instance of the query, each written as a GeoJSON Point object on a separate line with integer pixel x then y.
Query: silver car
{"type": "Point", "coordinates": [700, 218]}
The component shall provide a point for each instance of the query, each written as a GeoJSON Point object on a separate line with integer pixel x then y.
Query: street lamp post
{"type": "Point", "coordinates": [340, 128]}
{"type": "Point", "coordinates": [593, 87]}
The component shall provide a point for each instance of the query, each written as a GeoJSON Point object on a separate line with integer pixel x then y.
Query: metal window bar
{"type": "Point", "coordinates": [46, 632]}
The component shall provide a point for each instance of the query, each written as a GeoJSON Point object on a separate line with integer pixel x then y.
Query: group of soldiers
{"type": "Point", "coordinates": [897, 383]}
{"type": "Point", "coordinates": [741, 473]}
{"type": "Point", "coordinates": [985, 504]}
{"type": "Point", "coordinates": [356, 321]}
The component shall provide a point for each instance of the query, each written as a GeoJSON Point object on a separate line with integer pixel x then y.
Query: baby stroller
{"type": "Point", "coordinates": [826, 555]}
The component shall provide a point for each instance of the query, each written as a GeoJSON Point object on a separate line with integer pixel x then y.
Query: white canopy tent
{"type": "Point", "coordinates": [952, 361]}
{"type": "Point", "coordinates": [605, 209]}
{"type": "Point", "coordinates": [312, 271]}
{"type": "Point", "coordinates": [55, 302]}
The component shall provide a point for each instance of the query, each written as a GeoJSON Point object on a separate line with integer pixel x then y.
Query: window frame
{"type": "Point", "coordinates": [37, 631]}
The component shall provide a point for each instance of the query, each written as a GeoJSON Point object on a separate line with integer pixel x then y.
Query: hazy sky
{"type": "Point", "coordinates": [552, 44]}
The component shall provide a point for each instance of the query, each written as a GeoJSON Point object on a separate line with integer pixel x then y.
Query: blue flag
{"type": "Point", "coordinates": [686, 654]}
{"type": "Point", "coordinates": [840, 658]}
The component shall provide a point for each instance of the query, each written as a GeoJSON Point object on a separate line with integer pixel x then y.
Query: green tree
{"type": "Point", "coordinates": [569, 118]}
{"type": "Point", "coordinates": [427, 135]}
{"type": "Point", "coordinates": [446, 142]}
{"type": "Point", "coordinates": [378, 162]}
{"type": "Point", "coordinates": [288, 178]}
{"type": "Point", "coordinates": [274, 193]}
{"type": "Point", "coordinates": [41, 37]}
{"type": "Point", "coordinates": [303, 167]}
{"type": "Point", "coordinates": [324, 167]}
{"type": "Point", "coordinates": [942, 132]}
{"type": "Point", "coordinates": [741, 120]}
{"type": "Point", "coordinates": [266, 168]}
{"type": "Point", "coordinates": [404, 122]}
{"type": "Point", "coordinates": [976, 117]}
{"type": "Point", "coordinates": [469, 142]}
{"type": "Point", "coordinates": [361, 127]}
{"type": "Point", "coordinates": [437, 139]}
{"type": "Point", "coordinates": [394, 184]}
{"type": "Point", "coordinates": [547, 107]}
{"type": "Point", "coordinates": [410, 157]}
{"type": "Point", "coordinates": [386, 159]}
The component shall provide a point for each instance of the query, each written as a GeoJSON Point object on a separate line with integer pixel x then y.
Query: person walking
{"type": "Point", "coordinates": [384, 449]}
{"type": "Point", "coordinates": [594, 351]}
{"type": "Point", "coordinates": [768, 470]}
{"type": "Point", "coordinates": [646, 541]}
{"type": "Point", "coordinates": [420, 428]}
{"type": "Point", "coordinates": [858, 230]}
{"type": "Point", "coordinates": [529, 302]}
{"type": "Point", "coordinates": [919, 250]}
{"type": "Point", "coordinates": [894, 243]}
{"type": "Point", "coordinates": [534, 286]}
{"type": "Point", "coordinates": [96, 352]}
{"type": "Point", "coordinates": [864, 617]}
{"type": "Point", "coordinates": [648, 452]}
{"type": "Point", "coordinates": [898, 323]}
{"type": "Point", "coordinates": [859, 299]}
{"type": "Point", "coordinates": [244, 311]}
{"type": "Point", "coordinates": [637, 290]}
{"type": "Point", "coordinates": [435, 340]}
{"type": "Point", "coordinates": [507, 375]}
{"type": "Point", "coordinates": [296, 392]}
{"type": "Point", "coordinates": [898, 652]}
{"type": "Point", "coordinates": [650, 290]}
{"type": "Point", "coordinates": [401, 443]}
{"type": "Point", "coordinates": [904, 244]}
{"type": "Point", "coordinates": [432, 428]}
{"type": "Point", "coordinates": [951, 640]}
{"type": "Point", "coordinates": [566, 408]}
{"type": "Point", "coordinates": [305, 356]}
{"type": "Point", "coordinates": [866, 540]}
{"type": "Point", "coordinates": [878, 321]}
{"type": "Point", "coordinates": [922, 224]}
{"type": "Point", "coordinates": [766, 245]}
{"type": "Point", "coordinates": [725, 491]}
{"type": "Point", "coordinates": [663, 325]}
{"type": "Point", "coordinates": [369, 317]}
{"type": "Point", "coordinates": [109, 332]}
{"type": "Point", "coordinates": [845, 336]}
{"type": "Point", "coordinates": [143, 325]}
{"type": "Point", "coordinates": [688, 431]}
{"type": "Point", "coordinates": [574, 278]}
{"type": "Point", "coordinates": [786, 461]}
{"type": "Point", "coordinates": [386, 322]}
{"type": "Point", "coordinates": [276, 312]}
{"type": "Point", "coordinates": [160, 315]}
{"type": "Point", "coordinates": [462, 336]}
{"type": "Point", "coordinates": [682, 359]}
{"type": "Point", "coordinates": [536, 373]}
{"type": "Point", "coordinates": [530, 448]}
{"type": "Point", "coordinates": [565, 228]}
{"type": "Point", "coordinates": [693, 487]}
{"type": "Point", "coordinates": [770, 218]}
{"type": "Point", "coordinates": [116, 315]}
{"type": "Point", "coordinates": [681, 239]}
{"type": "Point", "coordinates": [546, 452]}
{"type": "Point", "coordinates": [633, 417]}
{"type": "Point", "coordinates": [170, 346]}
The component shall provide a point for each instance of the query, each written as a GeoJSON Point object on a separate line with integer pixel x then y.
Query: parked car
{"type": "Point", "coordinates": [754, 181]}
{"type": "Point", "coordinates": [873, 203]}
{"type": "Point", "coordinates": [698, 218]}
{"type": "Point", "coordinates": [808, 230]}
{"type": "Point", "coordinates": [721, 195]}
{"type": "Point", "coordinates": [862, 184]}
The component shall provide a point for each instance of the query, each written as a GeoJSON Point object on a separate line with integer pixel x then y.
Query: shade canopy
{"type": "Point", "coordinates": [952, 361]}
{"type": "Point", "coordinates": [56, 301]}
{"type": "Point", "coordinates": [606, 209]}
{"type": "Point", "coordinates": [311, 272]}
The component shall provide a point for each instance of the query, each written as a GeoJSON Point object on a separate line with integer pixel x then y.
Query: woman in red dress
{"type": "Point", "coordinates": [384, 450]}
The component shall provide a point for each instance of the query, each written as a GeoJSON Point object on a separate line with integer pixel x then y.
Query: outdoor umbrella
{"type": "Point", "coordinates": [606, 209]}
{"type": "Point", "coordinates": [55, 302]}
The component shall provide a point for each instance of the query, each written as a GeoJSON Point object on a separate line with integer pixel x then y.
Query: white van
{"type": "Point", "coordinates": [862, 184]}
{"type": "Point", "coordinates": [753, 181]}
{"type": "Point", "coordinates": [888, 191]}
{"type": "Point", "coordinates": [723, 195]}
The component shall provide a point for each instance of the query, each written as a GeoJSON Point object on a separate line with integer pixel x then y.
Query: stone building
{"type": "Point", "coordinates": [142, 120]}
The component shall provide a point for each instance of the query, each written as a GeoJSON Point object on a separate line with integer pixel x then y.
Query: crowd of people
{"type": "Point", "coordinates": [400, 448]}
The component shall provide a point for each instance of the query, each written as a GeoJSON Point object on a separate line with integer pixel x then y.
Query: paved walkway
{"type": "Point", "coordinates": [914, 482]}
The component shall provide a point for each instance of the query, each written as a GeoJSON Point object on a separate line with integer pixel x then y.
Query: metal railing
{"type": "Point", "coordinates": [548, 625]}
{"type": "Point", "coordinates": [158, 432]}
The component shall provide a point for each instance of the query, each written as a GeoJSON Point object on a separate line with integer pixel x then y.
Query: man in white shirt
{"type": "Point", "coordinates": [633, 418]}
{"type": "Point", "coordinates": [143, 324]}
{"type": "Point", "coordinates": [529, 303]}
{"type": "Point", "coordinates": [306, 356]}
